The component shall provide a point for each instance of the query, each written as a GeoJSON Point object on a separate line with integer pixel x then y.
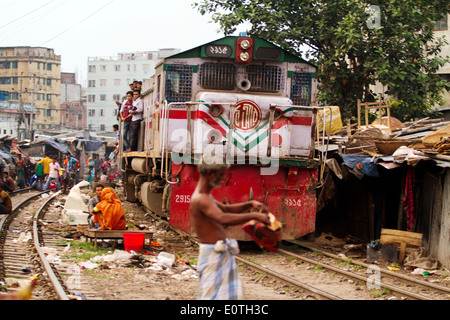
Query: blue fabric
{"type": "Point", "coordinates": [6, 156]}
{"type": "Point", "coordinates": [93, 145]}
{"type": "Point", "coordinates": [58, 146]}
{"type": "Point", "coordinates": [369, 167]}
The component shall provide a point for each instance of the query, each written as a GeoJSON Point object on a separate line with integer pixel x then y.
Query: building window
{"type": "Point", "coordinates": [441, 24]}
{"type": "Point", "coordinates": [91, 98]}
{"type": "Point", "coordinates": [117, 82]}
{"type": "Point", "coordinates": [4, 95]}
{"type": "Point", "coordinates": [103, 68]}
{"type": "Point", "coordinates": [91, 112]}
{"type": "Point", "coordinates": [102, 127]}
{"type": "Point", "coordinates": [5, 80]}
{"type": "Point", "coordinates": [5, 65]}
{"type": "Point", "coordinates": [103, 97]}
{"type": "Point", "coordinates": [117, 67]}
{"type": "Point", "coordinates": [15, 80]}
{"type": "Point", "coordinates": [49, 82]}
{"type": "Point", "coordinates": [91, 83]}
{"type": "Point", "coordinates": [92, 69]}
{"type": "Point", "coordinates": [49, 66]}
{"type": "Point", "coordinates": [103, 83]}
{"type": "Point", "coordinates": [49, 97]}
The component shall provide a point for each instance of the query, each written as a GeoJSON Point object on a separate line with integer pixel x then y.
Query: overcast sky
{"type": "Point", "coordinates": [78, 29]}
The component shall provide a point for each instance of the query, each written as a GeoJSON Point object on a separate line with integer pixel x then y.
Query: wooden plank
{"type": "Point", "coordinates": [412, 238]}
{"type": "Point", "coordinates": [404, 239]}
{"type": "Point", "coordinates": [113, 234]}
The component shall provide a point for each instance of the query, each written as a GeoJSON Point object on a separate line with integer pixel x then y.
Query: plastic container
{"type": "Point", "coordinates": [133, 241]}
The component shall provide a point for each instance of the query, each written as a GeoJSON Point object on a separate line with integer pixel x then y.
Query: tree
{"type": "Point", "coordinates": [355, 44]}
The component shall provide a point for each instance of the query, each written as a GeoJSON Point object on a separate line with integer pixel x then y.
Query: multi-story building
{"type": "Point", "coordinates": [32, 75]}
{"type": "Point", "coordinates": [73, 105]}
{"type": "Point", "coordinates": [109, 79]}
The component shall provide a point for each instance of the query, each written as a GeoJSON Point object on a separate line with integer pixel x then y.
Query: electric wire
{"type": "Point", "coordinates": [27, 14]}
{"type": "Point", "coordinates": [78, 23]}
{"type": "Point", "coordinates": [14, 30]}
{"type": "Point", "coordinates": [9, 4]}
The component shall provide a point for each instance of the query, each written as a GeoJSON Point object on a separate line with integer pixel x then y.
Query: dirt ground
{"type": "Point", "coordinates": [143, 279]}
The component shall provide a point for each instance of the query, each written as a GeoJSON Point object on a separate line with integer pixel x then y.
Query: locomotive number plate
{"type": "Point", "coordinates": [219, 51]}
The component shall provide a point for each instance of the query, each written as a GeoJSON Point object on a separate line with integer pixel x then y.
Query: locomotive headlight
{"type": "Point", "coordinates": [244, 50]}
{"type": "Point", "coordinates": [244, 56]}
{"type": "Point", "coordinates": [216, 110]}
{"type": "Point", "coordinates": [245, 44]}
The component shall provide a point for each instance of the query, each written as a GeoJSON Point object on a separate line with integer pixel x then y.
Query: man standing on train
{"type": "Point", "coordinates": [137, 112]}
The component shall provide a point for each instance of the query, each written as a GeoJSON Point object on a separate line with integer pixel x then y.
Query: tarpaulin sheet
{"type": "Point", "coordinates": [93, 145]}
{"type": "Point", "coordinates": [5, 156]}
{"type": "Point", "coordinates": [58, 146]}
{"type": "Point", "coordinates": [365, 164]}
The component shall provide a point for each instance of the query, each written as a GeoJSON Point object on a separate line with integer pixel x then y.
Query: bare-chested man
{"type": "Point", "coordinates": [217, 267]}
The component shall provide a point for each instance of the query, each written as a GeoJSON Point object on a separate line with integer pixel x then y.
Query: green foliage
{"type": "Point", "coordinates": [402, 52]}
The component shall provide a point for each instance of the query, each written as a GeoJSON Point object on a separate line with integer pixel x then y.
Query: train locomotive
{"type": "Point", "coordinates": [241, 100]}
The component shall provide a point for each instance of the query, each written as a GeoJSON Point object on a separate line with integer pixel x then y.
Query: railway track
{"type": "Point", "coordinates": [26, 245]}
{"type": "Point", "coordinates": [302, 270]}
{"type": "Point", "coordinates": [29, 236]}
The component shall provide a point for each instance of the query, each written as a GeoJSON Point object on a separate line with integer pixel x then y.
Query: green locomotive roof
{"type": "Point", "coordinates": [271, 51]}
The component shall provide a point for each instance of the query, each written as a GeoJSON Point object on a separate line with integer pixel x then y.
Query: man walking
{"type": "Point", "coordinates": [216, 264]}
{"type": "Point", "coordinates": [54, 168]}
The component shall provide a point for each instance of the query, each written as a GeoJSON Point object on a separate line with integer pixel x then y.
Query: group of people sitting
{"type": "Point", "coordinates": [106, 210]}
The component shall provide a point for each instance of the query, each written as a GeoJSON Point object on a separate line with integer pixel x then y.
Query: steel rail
{"type": "Point", "coordinates": [60, 291]}
{"type": "Point", "coordinates": [357, 276]}
{"type": "Point", "coordinates": [289, 280]}
{"type": "Point", "coordinates": [5, 222]}
{"type": "Point", "coordinates": [5, 218]}
{"type": "Point", "coordinates": [386, 272]}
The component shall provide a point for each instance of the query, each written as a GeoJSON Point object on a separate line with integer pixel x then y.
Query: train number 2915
{"type": "Point", "coordinates": [293, 202]}
{"type": "Point", "coordinates": [181, 198]}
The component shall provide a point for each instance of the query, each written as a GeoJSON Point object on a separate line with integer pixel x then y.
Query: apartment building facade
{"type": "Point", "coordinates": [73, 104]}
{"type": "Point", "coordinates": [31, 76]}
{"type": "Point", "coordinates": [109, 79]}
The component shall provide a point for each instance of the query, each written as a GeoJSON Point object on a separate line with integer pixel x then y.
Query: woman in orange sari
{"type": "Point", "coordinates": [109, 212]}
